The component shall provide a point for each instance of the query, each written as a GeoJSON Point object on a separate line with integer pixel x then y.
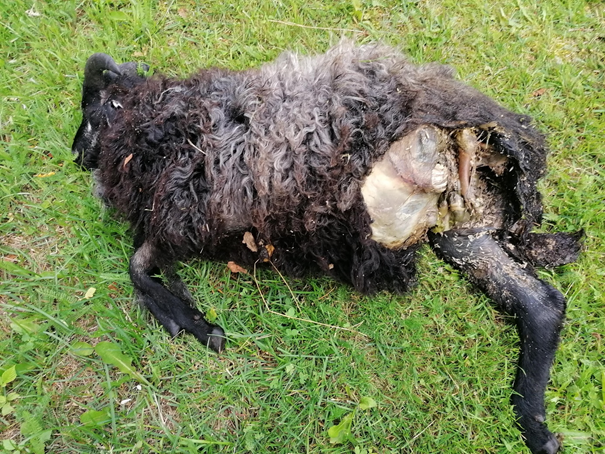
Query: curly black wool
{"type": "Point", "coordinates": [281, 150]}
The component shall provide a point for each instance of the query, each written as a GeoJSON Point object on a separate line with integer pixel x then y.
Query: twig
{"type": "Point", "coordinates": [284, 281]}
{"type": "Point", "coordinates": [316, 28]}
{"type": "Point", "coordinates": [196, 147]}
{"type": "Point", "coordinates": [298, 318]}
{"type": "Point", "coordinates": [419, 433]}
{"type": "Point", "coordinates": [157, 404]}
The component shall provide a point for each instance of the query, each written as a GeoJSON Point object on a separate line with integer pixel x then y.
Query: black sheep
{"type": "Point", "coordinates": [341, 163]}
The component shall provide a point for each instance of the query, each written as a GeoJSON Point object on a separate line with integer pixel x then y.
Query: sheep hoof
{"type": "Point", "coordinates": [216, 339]}
{"type": "Point", "coordinates": [552, 446]}
{"type": "Point", "coordinates": [212, 336]}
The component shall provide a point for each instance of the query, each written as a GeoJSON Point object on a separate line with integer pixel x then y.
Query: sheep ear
{"type": "Point", "coordinates": [96, 65]}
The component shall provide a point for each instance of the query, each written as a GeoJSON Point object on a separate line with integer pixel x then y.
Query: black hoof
{"type": "Point", "coordinates": [550, 447]}
{"type": "Point", "coordinates": [547, 443]}
{"type": "Point", "coordinates": [216, 339]}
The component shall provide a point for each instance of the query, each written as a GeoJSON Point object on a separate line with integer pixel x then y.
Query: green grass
{"type": "Point", "coordinates": [438, 361]}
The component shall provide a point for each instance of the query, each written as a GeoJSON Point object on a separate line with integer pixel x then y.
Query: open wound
{"type": "Point", "coordinates": [428, 180]}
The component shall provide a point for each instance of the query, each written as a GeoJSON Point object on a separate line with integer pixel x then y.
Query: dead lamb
{"type": "Point", "coordinates": [341, 163]}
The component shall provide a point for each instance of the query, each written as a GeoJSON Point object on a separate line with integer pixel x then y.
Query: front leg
{"type": "Point", "coordinates": [169, 309]}
{"type": "Point", "coordinates": [539, 311]}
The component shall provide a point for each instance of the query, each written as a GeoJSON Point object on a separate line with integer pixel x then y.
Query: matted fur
{"type": "Point", "coordinates": [281, 150]}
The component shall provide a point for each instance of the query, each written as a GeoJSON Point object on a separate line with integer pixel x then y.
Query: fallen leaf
{"type": "Point", "coordinates": [539, 92]}
{"type": "Point", "coordinates": [90, 293]}
{"type": "Point", "coordinates": [270, 248]}
{"type": "Point", "coordinates": [183, 13]}
{"type": "Point", "coordinates": [127, 160]}
{"type": "Point", "coordinates": [44, 175]}
{"type": "Point", "coordinates": [235, 268]}
{"type": "Point", "coordinates": [267, 253]}
{"type": "Point", "coordinates": [249, 241]}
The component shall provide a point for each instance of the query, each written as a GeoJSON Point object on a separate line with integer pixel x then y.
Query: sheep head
{"type": "Point", "coordinates": [105, 83]}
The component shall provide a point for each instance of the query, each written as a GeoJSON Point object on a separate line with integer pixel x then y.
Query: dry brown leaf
{"type": "Point", "coordinates": [235, 268]}
{"type": "Point", "coordinates": [270, 248]}
{"type": "Point", "coordinates": [267, 253]}
{"type": "Point", "coordinates": [127, 160]}
{"type": "Point", "coordinates": [249, 241]}
{"type": "Point", "coordinates": [539, 92]}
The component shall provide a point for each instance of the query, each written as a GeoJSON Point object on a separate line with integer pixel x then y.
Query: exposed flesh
{"type": "Point", "coordinates": [428, 180]}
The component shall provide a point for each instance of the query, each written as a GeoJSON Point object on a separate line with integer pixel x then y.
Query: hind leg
{"type": "Point", "coordinates": [173, 281]}
{"type": "Point", "coordinates": [538, 309]}
{"type": "Point", "coordinates": [176, 286]}
{"type": "Point", "coordinates": [173, 311]}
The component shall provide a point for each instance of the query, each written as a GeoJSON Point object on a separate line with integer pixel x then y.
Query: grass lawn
{"type": "Point", "coordinates": [84, 370]}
